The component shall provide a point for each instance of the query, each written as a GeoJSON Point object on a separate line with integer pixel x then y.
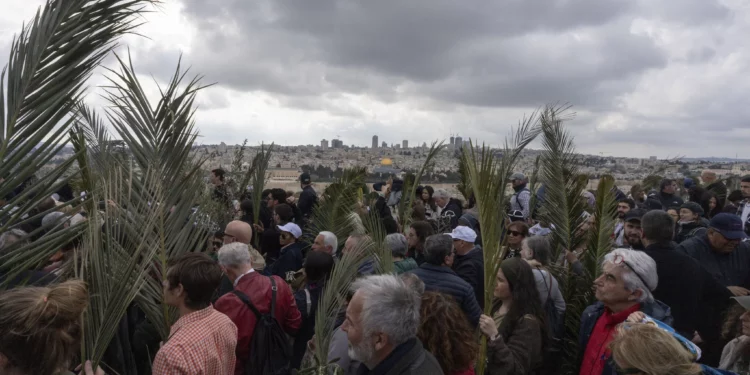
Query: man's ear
{"type": "Point", "coordinates": [636, 295]}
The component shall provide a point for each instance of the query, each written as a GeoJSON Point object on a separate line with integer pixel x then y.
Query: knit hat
{"type": "Point", "coordinates": [694, 207]}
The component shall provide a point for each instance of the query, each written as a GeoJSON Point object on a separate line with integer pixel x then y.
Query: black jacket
{"type": "Point", "coordinates": [308, 312]}
{"type": "Point", "coordinates": [453, 211]}
{"type": "Point", "coordinates": [669, 200]}
{"type": "Point", "coordinates": [689, 230]}
{"type": "Point", "coordinates": [307, 201]}
{"type": "Point", "coordinates": [686, 288]}
{"type": "Point", "coordinates": [269, 244]}
{"type": "Point", "coordinates": [731, 269]}
{"type": "Point", "coordinates": [470, 267]}
{"type": "Point", "coordinates": [409, 358]}
{"type": "Point", "coordinates": [289, 262]}
{"type": "Point", "coordinates": [444, 280]}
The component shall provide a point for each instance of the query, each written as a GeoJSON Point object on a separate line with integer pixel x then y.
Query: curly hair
{"type": "Point", "coordinates": [445, 332]}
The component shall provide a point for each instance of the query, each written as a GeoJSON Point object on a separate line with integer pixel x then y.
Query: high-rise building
{"type": "Point", "coordinates": [405, 144]}
{"type": "Point", "coordinates": [337, 143]}
{"type": "Point", "coordinates": [324, 144]}
{"type": "Point", "coordinates": [458, 142]}
{"type": "Point", "coordinates": [452, 141]}
{"type": "Point", "coordinates": [374, 141]}
{"type": "Point", "coordinates": [384, 145]}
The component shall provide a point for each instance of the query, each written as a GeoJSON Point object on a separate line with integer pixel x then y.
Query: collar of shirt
{"type": "Point", "coordinates": [237, 280]}
{"type": "Point", "coordinates": [190, 318]}
{"type": "Point", "coordinates": [611, 318]}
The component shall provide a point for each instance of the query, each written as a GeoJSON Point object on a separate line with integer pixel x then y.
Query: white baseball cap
{"type": "Point", "coordinates": [291, 228]}
{"type": "Point", "coordinates": [464, 234]}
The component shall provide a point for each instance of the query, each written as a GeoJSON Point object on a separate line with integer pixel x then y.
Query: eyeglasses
{"type": "Point", "coordinates": [620, 260]}
{"type": "Point", "coordinates": [514, 233]}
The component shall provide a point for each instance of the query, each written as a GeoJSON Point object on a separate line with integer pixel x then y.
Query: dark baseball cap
{"type": "Point", "coordinates": [693, 207]}
{"type": "Point", "coordinates": [305, 178]}
{"type": "Point", "coordinates": [634, 215]}
{"type": "Point", "coordinates": [729, 225]}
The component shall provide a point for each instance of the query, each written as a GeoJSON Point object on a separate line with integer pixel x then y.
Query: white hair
{"type": "Point", "coordinates": [638, 268]}
{"type": "Point", "coordinates": [329, 239]}
{"type": "Point", "coordinates": [397, 243]}
{"type": "Point", "coordinates": [390, 307]}
{"type": "Point", "coordinates": [441, 193]}
{"type": "Point", "coordinates": [235, 254]}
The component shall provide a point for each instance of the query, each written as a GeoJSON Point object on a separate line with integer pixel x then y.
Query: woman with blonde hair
{"type": "Point", "coordinates": [644, 348]}
{"type": "Point", "coordinates": [41, 328]}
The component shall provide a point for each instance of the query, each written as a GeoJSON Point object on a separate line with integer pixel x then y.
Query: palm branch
{"type": "Point", "coordinates": [577, 289]}
{"type": "Point", "coordinates": [257, 174]}
{"type": "Point", "coordinates": [533, 186]}
{"type": "Point", "coordinates": [381, 253]}
{"type": "Point", "coordinates": [488, 178]}
{"type": "Point", "coordinates": [164, 174]}
{"type": "Point", "coordinates": [50, 61]}
{"type": "Point", "coordinates": [410, 186]}
{"type": "Point", "coordinates": [338, 201]}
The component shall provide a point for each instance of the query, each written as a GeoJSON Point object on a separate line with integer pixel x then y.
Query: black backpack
{"type": "Point", "coordinates": [270, 350]}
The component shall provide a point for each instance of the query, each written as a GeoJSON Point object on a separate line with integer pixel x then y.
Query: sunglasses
{"type": "Point", "coordinates": [218, 244]}
{"type": "Point", "coordinates": [514, 233]}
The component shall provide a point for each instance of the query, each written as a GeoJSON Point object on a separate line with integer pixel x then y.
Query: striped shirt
{"type": "Point", "coordinates": [200, 343]}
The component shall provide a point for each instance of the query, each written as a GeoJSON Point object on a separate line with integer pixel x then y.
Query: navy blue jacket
{"type": "Point", "coordinates": [731, 269]}
{"type": "Point", "coordinates": [656, 310]}
{"type": "Point", "coordinates": [470, 267]}
{"type": "Point", "coordinates": [307, 201]}
{"type": "Point", "coordinates": [444, 280]}
{"type": "Point", "coordinates": [290, 261]}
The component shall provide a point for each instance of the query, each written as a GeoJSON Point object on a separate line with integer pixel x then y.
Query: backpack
{"type": "Point", "coordinates": [270, 350]}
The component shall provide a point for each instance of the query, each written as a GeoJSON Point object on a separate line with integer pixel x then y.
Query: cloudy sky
{"type": "Point", "coordinates": [645, 77]}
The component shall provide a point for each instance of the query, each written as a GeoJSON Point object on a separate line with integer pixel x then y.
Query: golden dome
{"type": "Point", "coordinates": [386, 161]}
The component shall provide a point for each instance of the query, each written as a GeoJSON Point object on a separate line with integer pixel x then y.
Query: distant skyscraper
{"type": "Point", "coordinates": [337, 143]}
{"type": "Point", "coordinates": [405, 144]}
{"type": "Point", "coordinates": [324, 143]}
{"type": "Point", "coordinates": [384, 145]}
{"type": "Point", "coordinates": [374, 141]}
{"type": "Point", "coordinates": [458, 142]}
{"type": "Point", "coordinates": [453, 139]}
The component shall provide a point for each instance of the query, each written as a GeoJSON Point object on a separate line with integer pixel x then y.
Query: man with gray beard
{"type": "Point", "coordinates": [381, 324]}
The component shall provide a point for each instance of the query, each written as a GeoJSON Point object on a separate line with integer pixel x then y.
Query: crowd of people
{"type": "Point", "coordinates": [672, 297]}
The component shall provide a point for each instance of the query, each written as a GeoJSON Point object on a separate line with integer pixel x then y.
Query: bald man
{"type": "Point", "coordinates": [240, 231]}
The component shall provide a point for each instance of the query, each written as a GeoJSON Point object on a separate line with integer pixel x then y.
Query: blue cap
{"type": "Point", "coordinates": [729, 225]}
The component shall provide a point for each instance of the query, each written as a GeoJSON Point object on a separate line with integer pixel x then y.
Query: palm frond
{"type": "Point", "coordinates": [257, 174]}
{"type": "Point", "coordinates": [381, 253]}
{"type": "Point", "coordinates": [534, 186]}
{"type": "Point", "coordinates": [410, 187]}
{"type": "Point", "coordinates": [563, 187]}
{"type": "Point", "coordinates": [336, 204]}
{"type": "Point", "coordinates": [488, 178]}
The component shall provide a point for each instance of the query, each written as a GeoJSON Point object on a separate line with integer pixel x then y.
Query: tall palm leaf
{"type": "Point", "coordinates": [336, 204]}
{"type": "Point", "coordinates": [488, 178]}
{"type": "Point", "coordinates": [164, 175]}
{"type": "Point", "coordinates": [50, 61]}
{"type": "Point", "coordinates": [381, 253]}
{"type": "Point", "coordinates": [410, 186]}
{"type": "Point", "coordinates": [257, 174]}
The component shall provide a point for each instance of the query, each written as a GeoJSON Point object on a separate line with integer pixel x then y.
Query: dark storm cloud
{"type": "Point", "coordinates": [492, 53]}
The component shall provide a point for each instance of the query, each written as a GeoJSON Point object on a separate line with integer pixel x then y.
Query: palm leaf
{"type": "Point", "coordinates": [488, 175]}
{"type": "Point", "coordinates": [338, 201]}
{"type": "Point", "coordinates": [410, 186]}
{"type": "Point", "coordinates": [257, 174]}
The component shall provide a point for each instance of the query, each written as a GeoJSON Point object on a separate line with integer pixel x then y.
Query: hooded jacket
{"type": "Point", "coordinates": [453, 211]}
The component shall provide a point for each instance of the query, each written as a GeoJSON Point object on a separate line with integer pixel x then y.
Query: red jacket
{"type": "Point", "coordinates": [258, 289]}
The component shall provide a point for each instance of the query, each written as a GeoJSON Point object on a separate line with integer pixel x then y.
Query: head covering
{"type": "Point", "coordinates": [688, 183]}
{"type": "Point", "coordinates": [693, 207]}
{"type": "Point", "coordinates": [305, 178]}
{"type": "Point", "coordinates": [634, 215]}
{"type": "Point", "coordinates": [291, 228]}
{"type": "Point", "coordinates": [653, 204]}
{"type": "Point", "coordinates": [517, 176]}
{"type": "Point", "coordinates": [730, 226]}
{"type": "Point", "coordinates": [464, 234]}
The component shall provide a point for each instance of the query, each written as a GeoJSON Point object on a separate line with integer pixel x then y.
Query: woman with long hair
{"type": "Point", "coordinates": [417, 235]}
{"type": "Point", "coordinates": [710, 204]}
{"type": "Point", "coordinates": [643, 348]}
{"type": "Point", "coordinates": [41, 328]}
{"type": "Point", "coordinates": [517, 331]}
{"type": "Point", "coordinates": [445, 332]}
{"type": "Point", "coordinates": [736, 354]}
{"type": "Point", "coordinates": [429, 202]}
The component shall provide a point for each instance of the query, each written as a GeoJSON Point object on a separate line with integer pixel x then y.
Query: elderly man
{"type": "Point", "coordinates": [625, 286]}
{"type": "Point", "coordinates": [253, 289]}
{"type": "Point", "coordinates": [469, 260]}
{"type": "Point", "coordinates": [327, 243]}
{"type": "Point", "coordinates": [359, 242]}
{"type": "Point", "coordinates": [381, 324]}
{"type": "Point", "coordinates": [697, 300]}
{"type": "Point", "coordinates": [720, 251]}
{"type": "Point", "coordinates": [438, 276]}
{"type": "Point", "coordinates": [398, 245]}
{"type": "Point", "coordinates": [448, 208]}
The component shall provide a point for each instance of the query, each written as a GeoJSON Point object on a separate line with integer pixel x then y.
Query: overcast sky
{"type": "Point", "coordinates": [645, 77]}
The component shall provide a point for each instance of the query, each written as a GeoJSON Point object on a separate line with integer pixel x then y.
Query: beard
{"type": "Point", "coordinates": [364, 352]}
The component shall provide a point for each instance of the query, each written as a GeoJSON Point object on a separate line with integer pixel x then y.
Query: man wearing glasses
{"type": "Point", "coordinates": [624, 287]}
